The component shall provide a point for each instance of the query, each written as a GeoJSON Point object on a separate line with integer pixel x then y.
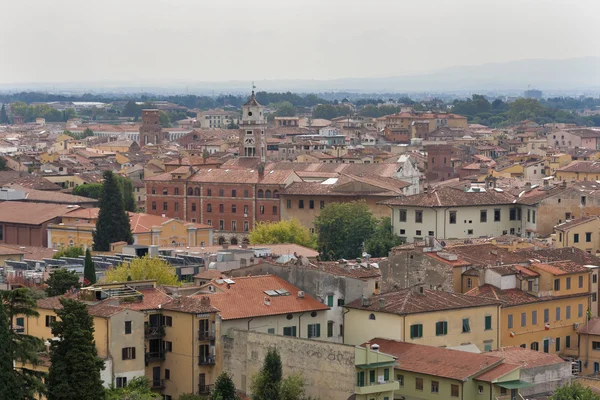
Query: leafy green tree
{"type": "Point", "coordinates": [72, 252]}
{"type": "Point", "coordinates": [60, 281]}
{"type": "Point", "coordinates": [574, 391]}
{"type": "Point", "coordinates": [164, 119]}
{"type": "Point", "coordinates": [382, 240]}
{"type": "Point", "coordinates": [3, 115]}
{"type": "Point", "coordinates": [9, 379]}
{"type": "Point", "coordinates": [22, 348]}
{"type": "Point", "coordinates": [113, 222]}
{"type": "Point", "coordinates": [137, 389]}
{"type": "Point", "coordinates": [266, 384]}
{"type": "Point", "coordinates": [128, 196]}
{"type": "Point", "coordinates": [75, 366]}
{"type": "Point", "coordinates": [292, 387]}
{"type": "Point", "coordinates": [144, 268]}
{"type": "Point", "coordinates": [284, 231]}
{"type": "Point", "coordinates": [89, 271]}
{"type": "Point", "coordinates": [192, 396]}
{"type": "Point", "coordinates": [93, 191]}
{"type": "Point", "coordinates": [224, 388]}
{"type": "Point", "coordinates": [131, 109]}
{"type": "Point", "coordinates": [342, 230]}
{"type": "Point", "coordinates": [285, 109]}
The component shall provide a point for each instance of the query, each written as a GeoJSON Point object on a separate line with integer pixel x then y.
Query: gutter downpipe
{"type": "Point", "coordinates": [250, 320]}
{"type": "Point", "coordinates": [300, 325]}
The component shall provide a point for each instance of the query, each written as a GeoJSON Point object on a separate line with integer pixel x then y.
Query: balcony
{"type": "Point", "coordinates": [155, 356]}
{"type": "Point", "coordinates": [206, 335]}
{"type": "Point", "coordinates": [157, 384]}
{"type": "Point", "coordinates": [377, 387]}
{"type": "Point", "coordinates": [154, 332]}
{"type": "Point", "coordinates": [204, 389]}
{"type": "Point", "coordinates": [209, 360]}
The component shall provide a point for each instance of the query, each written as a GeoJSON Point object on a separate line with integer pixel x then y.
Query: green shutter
{"type": "Point", "coordinates": [488, 322]}
{"type": "Point", "coordinates": [420, 330]}
{"type": "Point", "coordinates": [330, 301]}
{"type": "Point", "coordinates": [445, 327]}
{"type": "Point", "coordinates": [372, 376]}
{"type": "Point", "coordinates": [386, 374]}
{"type": "Point", "coordinates": [318, 330]}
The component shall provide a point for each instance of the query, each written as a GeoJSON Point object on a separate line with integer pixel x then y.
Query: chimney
{"type": "Point", "coordinates": [267, 301]}
{"type": "Point", "coordinates": [381, 302]}
{"type": "Point", "coordinates": [205, 301]}
{"type": "Point", "coordinates": [528, 186]}
{"type": "Point", "coordinates": [564, 183]}
{"type": "Point", "coordinates": [546, 182]}
{"type": "Point", "coordinates": [261, 170]}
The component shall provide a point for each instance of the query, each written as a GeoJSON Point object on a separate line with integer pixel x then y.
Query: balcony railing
{"type": "Point", "coordinates": [157, 383]}
{"type": "Point", "coordinates": [155, 356]}
{"type": "Point", "coordinates": [154, 331]}
{"type": "Point", "coordinates": [209, 360]}
{"type": "Point", "coordinates": [206, 335]}
{"type": "Point", "coordinates": [204, 389]}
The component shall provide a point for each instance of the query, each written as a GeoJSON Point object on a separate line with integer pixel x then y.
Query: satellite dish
{"type": "Point", "coordinates": [443, 243]}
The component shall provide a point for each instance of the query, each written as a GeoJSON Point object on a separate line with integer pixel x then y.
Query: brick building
{"type": "Point", "coordinates": [443, 162]}
{"type": "Point", "coordinates": [150, 130]}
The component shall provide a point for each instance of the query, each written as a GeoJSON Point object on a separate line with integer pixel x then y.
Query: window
{"type": "Point", "coordinates": [497, 215]}
{"type": "Point", "coordinates": [221, 208]}
{"type": "Point", "coordinates": [488, 322]}
{"type": "Point", "coordinates": [167, 373]}
{"type": "Point", "coordinates": [510, 321]}
{"type": "Point", "coordinates": [314, 330]}
{"type": "Point", "coordinates": [20, 327]}
{"type": "Point", "coordinates": [469, 231]}
{"type": "Point", "coordinates": [469, 283]}
{"type": "Point", "coordinates": [487, 347]}
{"type": "Point", "coordinates": [416, 331]}
{"type": "Point", "coordinates": [221, 192]}
{"type": "Point", "coordinates": [454, 390]}
{"type": "Point", "coordinates": [435, 387]}
{"type": "Point", "coordinates": [221, 224]}
{"type": "Point", "coordinates": [288, 203]}
{"type": "Point", "coordinates": [568, 341]}
{"type": "Point", "coordinates": [300, 203]}
{"type": "Point", "coordinates": [588, 237]}
{"type": "Point", "coordinates": [557, 284]}
{"type": "Point", "coordinates": [523, 319]}
{"type": "Point", "coordinates": [209, 222]}
{"type": "Point", "coordinates": [546, 315]}
{"type": "Point", "coordinates": [153, 190]}
{"type": "Point", "coordinates": [386, 374]}
{"type": "Point", "coordinates": [193, 207]}
{"type": "Point", "coordinates": [233, 208]}
{"type": "Point", "coordinates": [176, 206]}
{"type": "Point", "coordinates": [340, 302]}
{"type": "Point", "coordinates": [128, 353]}
{"type": "Point", "coordinates": [234, 226]}
{"type": "Point", "coordinates": [330, 300]}
{"type": "Point", "coordinates": [419, 383]}
{"type": "Point", "coordinates": [594, 277]}
{"type": "Point", "coordinates": [453, 217]}
{"type": "Point", "coordinates": [579, 310]}
{"type": "Point", "coordinates": [400, 379]}
{"type": "Point", "coordinates": [322, 204]}
{"type": "Point", "coordinates": [568, 283]}
{"type": "Point", "coordinates": [329, 328]}
{"type": "Point", "coordinates": [165, 206]}
{"type": "Point", "coordinates": [165, 191]}
{"type": "Point", "coordinates": [50, 319]}
{"type": "Point", "coordinates": [596, 346]}
{"type": "Point", "coordinates": [483, 216]}
{"type": "Point", "coordinates": [274, 210]}
{"type": "Point", "coordinates": [233, 193]}
{"type": "Point", "coordinates": [209, 207]}
{"type": "Point", "coordinates": [576, 238]}
{"type": "Point", "coordinates": [558, 313]}
{"type": "Point", "coordinates": [168, 321]}
{"type": "Point", "coordinates": [176, 191]}
{"type": "Point", "coordinates": [402, 215]}
{"type": "Point", "coordinates": [512, 214]}
{"type": "Point", "coordinates": [153, 207]}
{"type": "Point", "coordinates": [289, 331]}
{"type": "Point", "coordinates": [594, 297]}
{"type": "Point", "coordinates": [568, 312]}
{"type": "Point", "coordinates": [528, 215]}
{"type": "Point", "coordinates": [245, 226]}
{"type": "Point", "coordinates": [127, 327]}
{"type": "Point", "coordinates": [580, 281]}
{"type": "Point", "coordinates": [419, 216]}
{"type": "Point", "coordinates": [360, 378]}
{"type": "Point", "coordinates": [372, 317]}
{"type": "Point", "coordinates": [261, 210]}
{"type": "Point", "coordinates": [557, 344]}
{"type": "Point", "coordinates": [480, 389]}
{"type": "Point", "coordinates": [465, 325]}
{"type": "Point", "coordinates": [534, 317]}
{"type": "Point", "coordinates": [583, 200]}
{"type": "Point", "coordinates": [372, 376]}
{"type": "Point", "coordinates": [168, 346]}
{"type": "Point", "coordinates": [271, 331]}
{"type": "Point", "coordinates": [121, 381]}
{"type": "Point", "coordinates": [311, 204]}
{"type": "Point", "coordinates": [533, 216]}
{"type": "Point", "coordinates": [441, 328]}
{"type": "Point", "coordinates": [535, 346]}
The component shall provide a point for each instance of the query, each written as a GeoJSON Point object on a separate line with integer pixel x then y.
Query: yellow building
{"type": "Point", "coordinates": [556, 161]}
{"type": "Point", "coordinates": [542, 305]}
{"type": "Point", "coordinates": [422, 316]}
{"type": "Point", "coordinates": [587, 349]}
{"type": "Point", "coordinates": [76, 230]}
{"type": "Point", "coordinates": [374, 374]}
{"type": "Point", "coordinates": [579, 171]}
{"type": "Point", "coordinates": [118, 146]}
{"type": "Point", "coordinates": [46, 157]}
{"type": "Point", "coordinates": [582, 233]}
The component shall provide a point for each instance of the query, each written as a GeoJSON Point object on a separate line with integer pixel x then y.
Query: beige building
{"type": "Point", "coordinates": [582, 233]}
{"type": "Point", "coordinates": [424, 316]}
{"type": "Point", "coordinates": [217, 118]}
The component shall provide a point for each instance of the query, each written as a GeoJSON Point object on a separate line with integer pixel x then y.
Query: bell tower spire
{"type": "Point", "coordinates": [253, 125]}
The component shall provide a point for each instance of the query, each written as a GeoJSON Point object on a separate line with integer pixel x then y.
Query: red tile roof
{"type": "Point", "coordinates": [575, 222]}
{"type": "Point", "coordinates": [560, 267]}
{"type": "Point", "coordinates": [452, 197]}
{"type": "Point", "coordinates": [498, 372]}
{"type": "Point", "coordinates": [20, 212]}
{"type": "Point", "coordinates": [509, 297]}
{"type": "Point", "coordinates": [592, 327]}
{"type": "Point", "coordinates": [246, 298]}
{"type": "Point", "coordinates": [526, 358]}
{"type": "Point", "coordinates": [152, 299]}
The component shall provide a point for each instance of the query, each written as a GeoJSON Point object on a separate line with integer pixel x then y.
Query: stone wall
{"type": "Point", "coordinates": [327, 368]}
{"type": "Point", "coordinates": [546, 378]}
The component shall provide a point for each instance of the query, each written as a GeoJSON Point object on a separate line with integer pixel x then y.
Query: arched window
{"type": "Point", "coordinates": [153, 190]}
{"type": "Point", "coordinates": [233, 241]}
{"type": "Point", "coordinates": [190, 192]}
{"type": "Point", "coordinates": [71, 243]}
{"type": "Point", "coordinates": [275, 194]}
{"type": "Point", "coordinates": [197, 192]}
{"type": "Point", "coordinates": [260, 194]}
{"type": "Point", "coordinates": [268, 194]}
{"type": "Point", "coordinates": [372, 317]}
{"type": "Point", "coordinates": [221, 240]}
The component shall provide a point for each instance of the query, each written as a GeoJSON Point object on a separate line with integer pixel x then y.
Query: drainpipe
{"type": "Point", "coordinates": [192, 316]}
{"type": "Point", "coordinates": [300, 325]}
{"type": "Point", "coordinates": [436, 220]}
{"type": "Point", "coordinates": [250, 320]}
{"type": "Point", "coordinates": [346, 311]}
{"type": "Point", "coordinates": [498, 327]}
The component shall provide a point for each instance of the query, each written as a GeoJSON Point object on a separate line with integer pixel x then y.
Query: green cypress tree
{"type": "Point", "coordinates": [75, 370]}
{"type": "Point", "coordinates": [267, 382]}
{"type": "Point", "coordinates": [89, 271]}
{"type": "Point", "coordinates": [3, 115]}
{"type": "Point", "coordinates": [9, 382]}
{"type": "Point", "coordinates": [113, 222]}
{"type": "Point", "coordinates": [224, 388]}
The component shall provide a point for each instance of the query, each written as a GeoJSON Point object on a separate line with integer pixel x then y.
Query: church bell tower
{"type": "Point", "coordinates": [253, 126]}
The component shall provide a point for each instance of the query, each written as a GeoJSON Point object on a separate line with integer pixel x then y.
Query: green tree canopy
{"type": "Point", "coordinates": [330, 111]}
{"type": "Point", "coordinates": [343, 228]}
{"type": "Point", "coordinates": [73, 252]}
{"type": "Point", "coordinates": [75, 366]}
{"type": "Point", "coordinates": [94, 190]}
{"type": "Point", "coordinates": [113, 222]}
{"type": "Point", "coordinates": [60, 281]}
{"type": "Point", "coordinates": [574, 391]}
{"type": "Point", "coordinates": [3, 166]}
{"type": "Point", "coordinates": [3, 115]}
{"type": "Point", "coordinates": [284, 231]}
{"type": "Point", "coordinates": [284, 109]}
{"type": "Point", "coordinates": [144, 268]}
{"type": "Point", "coordinates": [9, 378]}
{"type": "Point", "coordinates": [266, 383]}
{"type": "Point", "coordinates": [137, 389]}
{"type": "Point", "coordinates": [224, 388]}
{"type": "Point", "coordinates": [89, 270]}
{"type": "Point", "coordinates": [382, 240]}
{"type": "Point", "coordinates": [131, 109]}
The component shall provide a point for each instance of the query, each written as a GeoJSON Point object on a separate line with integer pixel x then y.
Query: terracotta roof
{"type": "Point", "coordinates": [153, 298]}
{"type": "Point", "coordinates": [592, 327]}
{"type": "Point", "coordinates": [575, 222]}
{"type": "Point", "coordinates": [351, 270]}
{"type": "Point", "coordinates": [561, 254]}
{"type": "Point", "coordinates": [497, 372]}
{"type": "Point", "coordinates": [436, 361]}
{"type": "Point", "coordinates": [526, 358]}
{"type": "Point", "coordinates": [143, 223]}
{"type": "Point", "coordinates": [246, 298]}
{"type": "Point", "coordinates": [7, 251]}
{"type": "Point", "coordinates": [83, 213]}
{"type": "Point", "coordinates": [485, 254]}
{"type": "Point", "coordinates": [104, 309]}
{"type": "Point", "coordinates": [210, 274]}
{"type": "Point", "coordinates": [451, 197]}
{"type": "Point", "coordinates": [459, 262]}
{"type": "Point", "coordinates": [27, 181]}
{"type": "Point", "coordinates": [19, 212]}
{"type": "Point", "coordinates": [581, 166]}
{"type": "Point", "coordinates": [189, 305]}
{"type": "Point", "coordinates": [509, 297]}
{"type": "Point", "coordinates": [560, 267]}
{"type": "Point", "coordinates": [411, 301]}
{"type": "Point", "coordinates": [534, 196]}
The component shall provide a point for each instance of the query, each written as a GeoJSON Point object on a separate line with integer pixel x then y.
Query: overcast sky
{"type": "Point", "coordinates": [221, 40]}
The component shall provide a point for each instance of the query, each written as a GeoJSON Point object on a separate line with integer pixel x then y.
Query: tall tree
{"type": "Point", "coordinates": [60, 281]}
{"type": "Point", "coordinates": [9, 380]}
{"type": "Point", "coordinates": [266, 384]}
{"type": "Point", "coordinates": [343, 229]}
{"type": "Point", "coordinates": [284, 231]}
{"type": "Point", "coordinates": [382, 240]}
{"type": "Point", "coordinates": [113, 222]}
{"type": "Point", "coordinates": [224, 388]}
{"type": "Point", "coordinates": [137, 389]}
{"type": "Point", "coordinates": [128, 196]}
{"type": "Point", "coordinates": [75, 367]}
{"type": "Point", "coordinates": [89, 271]}
{"type": "Point", "coordinates": [23, 348]}
{"type": "Point", "coordinates": [3, 115]}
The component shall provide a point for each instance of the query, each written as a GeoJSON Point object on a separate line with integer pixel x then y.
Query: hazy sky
{"type": "Point", "coordinates": [198, 40]}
